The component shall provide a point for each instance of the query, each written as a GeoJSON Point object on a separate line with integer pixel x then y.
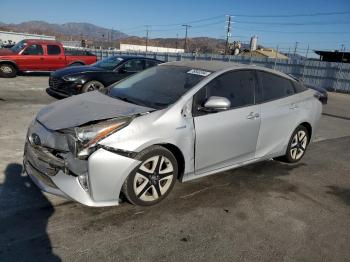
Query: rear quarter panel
{"type": "Point", "coordinates": [278, 122]}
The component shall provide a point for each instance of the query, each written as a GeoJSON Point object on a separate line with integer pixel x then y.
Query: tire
{"type": "Point", "coordinates": [152, 180]}
{"type": "Point", "coordinates": [8, 70]}
{"type": "Point", "coordinates": [91, 86]}
{"type": "Point", "coordinates": [76, 64]}
{"type": "Point", "coordinates": [297, 145]}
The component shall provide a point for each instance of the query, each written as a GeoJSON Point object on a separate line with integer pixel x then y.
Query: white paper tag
{"type": "Point", "coordinates": [198, 72]}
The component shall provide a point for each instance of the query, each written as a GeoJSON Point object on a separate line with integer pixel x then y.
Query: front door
{"type": "Point", "coordinates": [228, 137]}
{"type": "Point", "coordinates": [32, 58]}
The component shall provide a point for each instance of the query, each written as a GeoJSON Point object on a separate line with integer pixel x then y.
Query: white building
{"type": "Point", "coordinates": [14, 37]}
{"type": "Point", "coordinates": [153, 49]}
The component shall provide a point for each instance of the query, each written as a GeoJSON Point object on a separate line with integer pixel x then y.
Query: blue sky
{"type": "Point", "coordinates": [320, 32]}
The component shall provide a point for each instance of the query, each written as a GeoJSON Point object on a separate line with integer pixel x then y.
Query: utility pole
{"type": "Point", "coordinates": [185, 45]}
{"type": "Point", "coordinates": [295, 49]}
{"type": "Point", "coordinates": [147, 31]}
{"type": "Point", "coordinates": [177, 39]}
{"type": "Point", "coordinates": [228, 32]}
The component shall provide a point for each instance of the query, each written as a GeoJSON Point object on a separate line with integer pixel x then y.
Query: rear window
{"type": "Point", "coordinates": [299, 87]}
{"type": "Point", "coordinates": [53, 50]}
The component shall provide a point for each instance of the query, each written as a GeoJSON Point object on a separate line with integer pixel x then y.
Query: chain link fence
{"type": "Point", "coordinates": [329, 75]}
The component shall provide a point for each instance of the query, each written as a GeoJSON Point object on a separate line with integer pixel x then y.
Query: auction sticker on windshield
{"type": "Point", "coordinates": [198, 72]}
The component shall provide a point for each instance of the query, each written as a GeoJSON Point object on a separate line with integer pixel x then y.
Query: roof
{"type": "Point", "coordinates": [215, 66]}
{"type": "Point", "coordinates": [271, 53]}
{"type": "Point", "coordinates": [128, 57]}
{"type": "Point", "coordinates": [43, 41]}
{"type": "Point", "coordinates": [205, 65]}
{"type": "Point", "coordinates": [335, 56]}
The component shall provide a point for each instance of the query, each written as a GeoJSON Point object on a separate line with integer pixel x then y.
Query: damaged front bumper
{"type": "Point", "coordinates": [96, 181]}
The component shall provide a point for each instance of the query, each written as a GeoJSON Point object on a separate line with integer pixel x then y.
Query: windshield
{"type": "Point", "coordinates": [109, 63]}
{"type": "Point", "coordinates": [19, 46]}
{"type": "Point", "coordinates": [157, 87]}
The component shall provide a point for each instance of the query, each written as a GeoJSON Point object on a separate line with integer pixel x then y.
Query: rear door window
{"type": "Point", "coordinates": [150, 63]}
{"type": "Point", "coordinates": [53, 50]}
{"type": "Point", "coordinates": [274, 86]}
{"type": "Point", "coordinates": [34, 50]}
{"type": "Point", "coordinates": [134, 65]}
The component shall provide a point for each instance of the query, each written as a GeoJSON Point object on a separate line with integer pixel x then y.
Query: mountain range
{"type": "Point", "coordinates": [102, 36]}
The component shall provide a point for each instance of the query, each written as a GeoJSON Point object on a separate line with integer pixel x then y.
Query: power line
{"type": "Point", "coordinates": [291, 32]}
{"type": "Point", "coordinates": [294, 24]}
{"type": "Point", "coordinates": [295, 15]}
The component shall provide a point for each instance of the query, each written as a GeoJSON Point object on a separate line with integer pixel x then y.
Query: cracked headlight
{"type": "Point", "coordinates": [88, 136]}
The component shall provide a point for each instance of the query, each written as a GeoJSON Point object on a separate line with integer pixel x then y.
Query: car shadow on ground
{"type": "Point", "coordinates": [341, 193]}
{"type": "Point", "coordinates": [24, 215]}
{"type": "Point", "coordinates": [54, 95]}
{"type": "Point", "coordinates": [35, 74]}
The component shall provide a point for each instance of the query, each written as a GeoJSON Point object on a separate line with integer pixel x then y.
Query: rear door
{"type": "Point", "coordinates": [227, 137]}
{"type": "Point", "coordinates": [128, 68]}
{"type": "Point", "coordinates": [55, 58]}
{"type": "Point", "coordinates": [33, 58]}
{"type": "Point", "coordinates": [279, 113]}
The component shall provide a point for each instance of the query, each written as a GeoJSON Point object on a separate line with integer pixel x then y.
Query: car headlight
{"type": "Point", "coordinates": [71, 78]}
{"type": "Point", "coordinates": [88, 136]}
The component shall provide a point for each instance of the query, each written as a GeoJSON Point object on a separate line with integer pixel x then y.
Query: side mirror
{"type": "Point", "coordinates": [216, 103]}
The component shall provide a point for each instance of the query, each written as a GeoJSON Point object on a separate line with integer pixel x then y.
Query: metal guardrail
{"type": "Point", "coordinates": [329, 75]}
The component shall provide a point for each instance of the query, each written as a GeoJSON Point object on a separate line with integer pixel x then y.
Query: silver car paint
{"type": "Point", "coordinates": [176, 126]}
{"type": "Point", "coordinates": [78, 110]}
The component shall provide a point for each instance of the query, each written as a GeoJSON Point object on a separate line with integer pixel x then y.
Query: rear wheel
{"type": "Point", "coordinates": [92, 86]}
{"type": "Point", "coordinates": [7, 70]}
{"type": "Point", "coordinates": [297, 145]}
{"type": "Point", "coordinates": [153, 179]}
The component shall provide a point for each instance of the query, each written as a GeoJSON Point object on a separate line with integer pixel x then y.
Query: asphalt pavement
{"type": "Point", "coordinates": [268, 211]}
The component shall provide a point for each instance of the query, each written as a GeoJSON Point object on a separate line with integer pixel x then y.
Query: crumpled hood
{"type": "Point", "coordinates": [81, 109]}
{"type": "Point", "coordinates": [6, 51]}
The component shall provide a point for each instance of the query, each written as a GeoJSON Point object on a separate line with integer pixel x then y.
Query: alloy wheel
{"type": "Point", "coordinates": [298, 145]}
{"type": "Point", "coordinates": [153, 178]}
{"type": "Point", "coordinates": [6, 69]}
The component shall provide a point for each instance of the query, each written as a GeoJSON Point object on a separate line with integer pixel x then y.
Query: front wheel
{"type": "Point", "coordinates": [7, 70]}
{"type": "Point", "coordinates": [92, 86]}
{"type": "Point", "coordinates": [297, 145]}
{"type": "Point", "coordinates": [153, 179]}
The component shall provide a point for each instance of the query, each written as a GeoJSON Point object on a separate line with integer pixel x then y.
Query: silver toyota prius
{"type": "Point", "coordinates": [176, 121]}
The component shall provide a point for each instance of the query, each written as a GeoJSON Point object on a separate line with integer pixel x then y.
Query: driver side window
{"type": "Point", "coordinates": [33, 50]}
{"type": "Point", "coordinates": [237, 86]}
{"type": "Point", "coordinates": [133, 66]}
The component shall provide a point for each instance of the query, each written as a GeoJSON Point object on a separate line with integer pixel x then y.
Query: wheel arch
{"type": "Point", "coordinates": [77, 62]}
{"type": "Point", "coordinates": [179, 157]}
{"type": "Point", "coordinates": [9, 62]}
{"type": "Point", "coordinates": [308, 127]}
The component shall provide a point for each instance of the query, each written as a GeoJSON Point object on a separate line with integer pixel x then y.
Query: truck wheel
{"type": "Point", "coordinates": [7, 70]}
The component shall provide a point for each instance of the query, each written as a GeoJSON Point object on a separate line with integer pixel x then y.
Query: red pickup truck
{"type": "Point", "coordinates": [40, 56]}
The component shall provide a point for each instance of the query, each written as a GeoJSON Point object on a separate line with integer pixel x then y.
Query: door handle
{"type": "Point", "coordinates": [253, 115]}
